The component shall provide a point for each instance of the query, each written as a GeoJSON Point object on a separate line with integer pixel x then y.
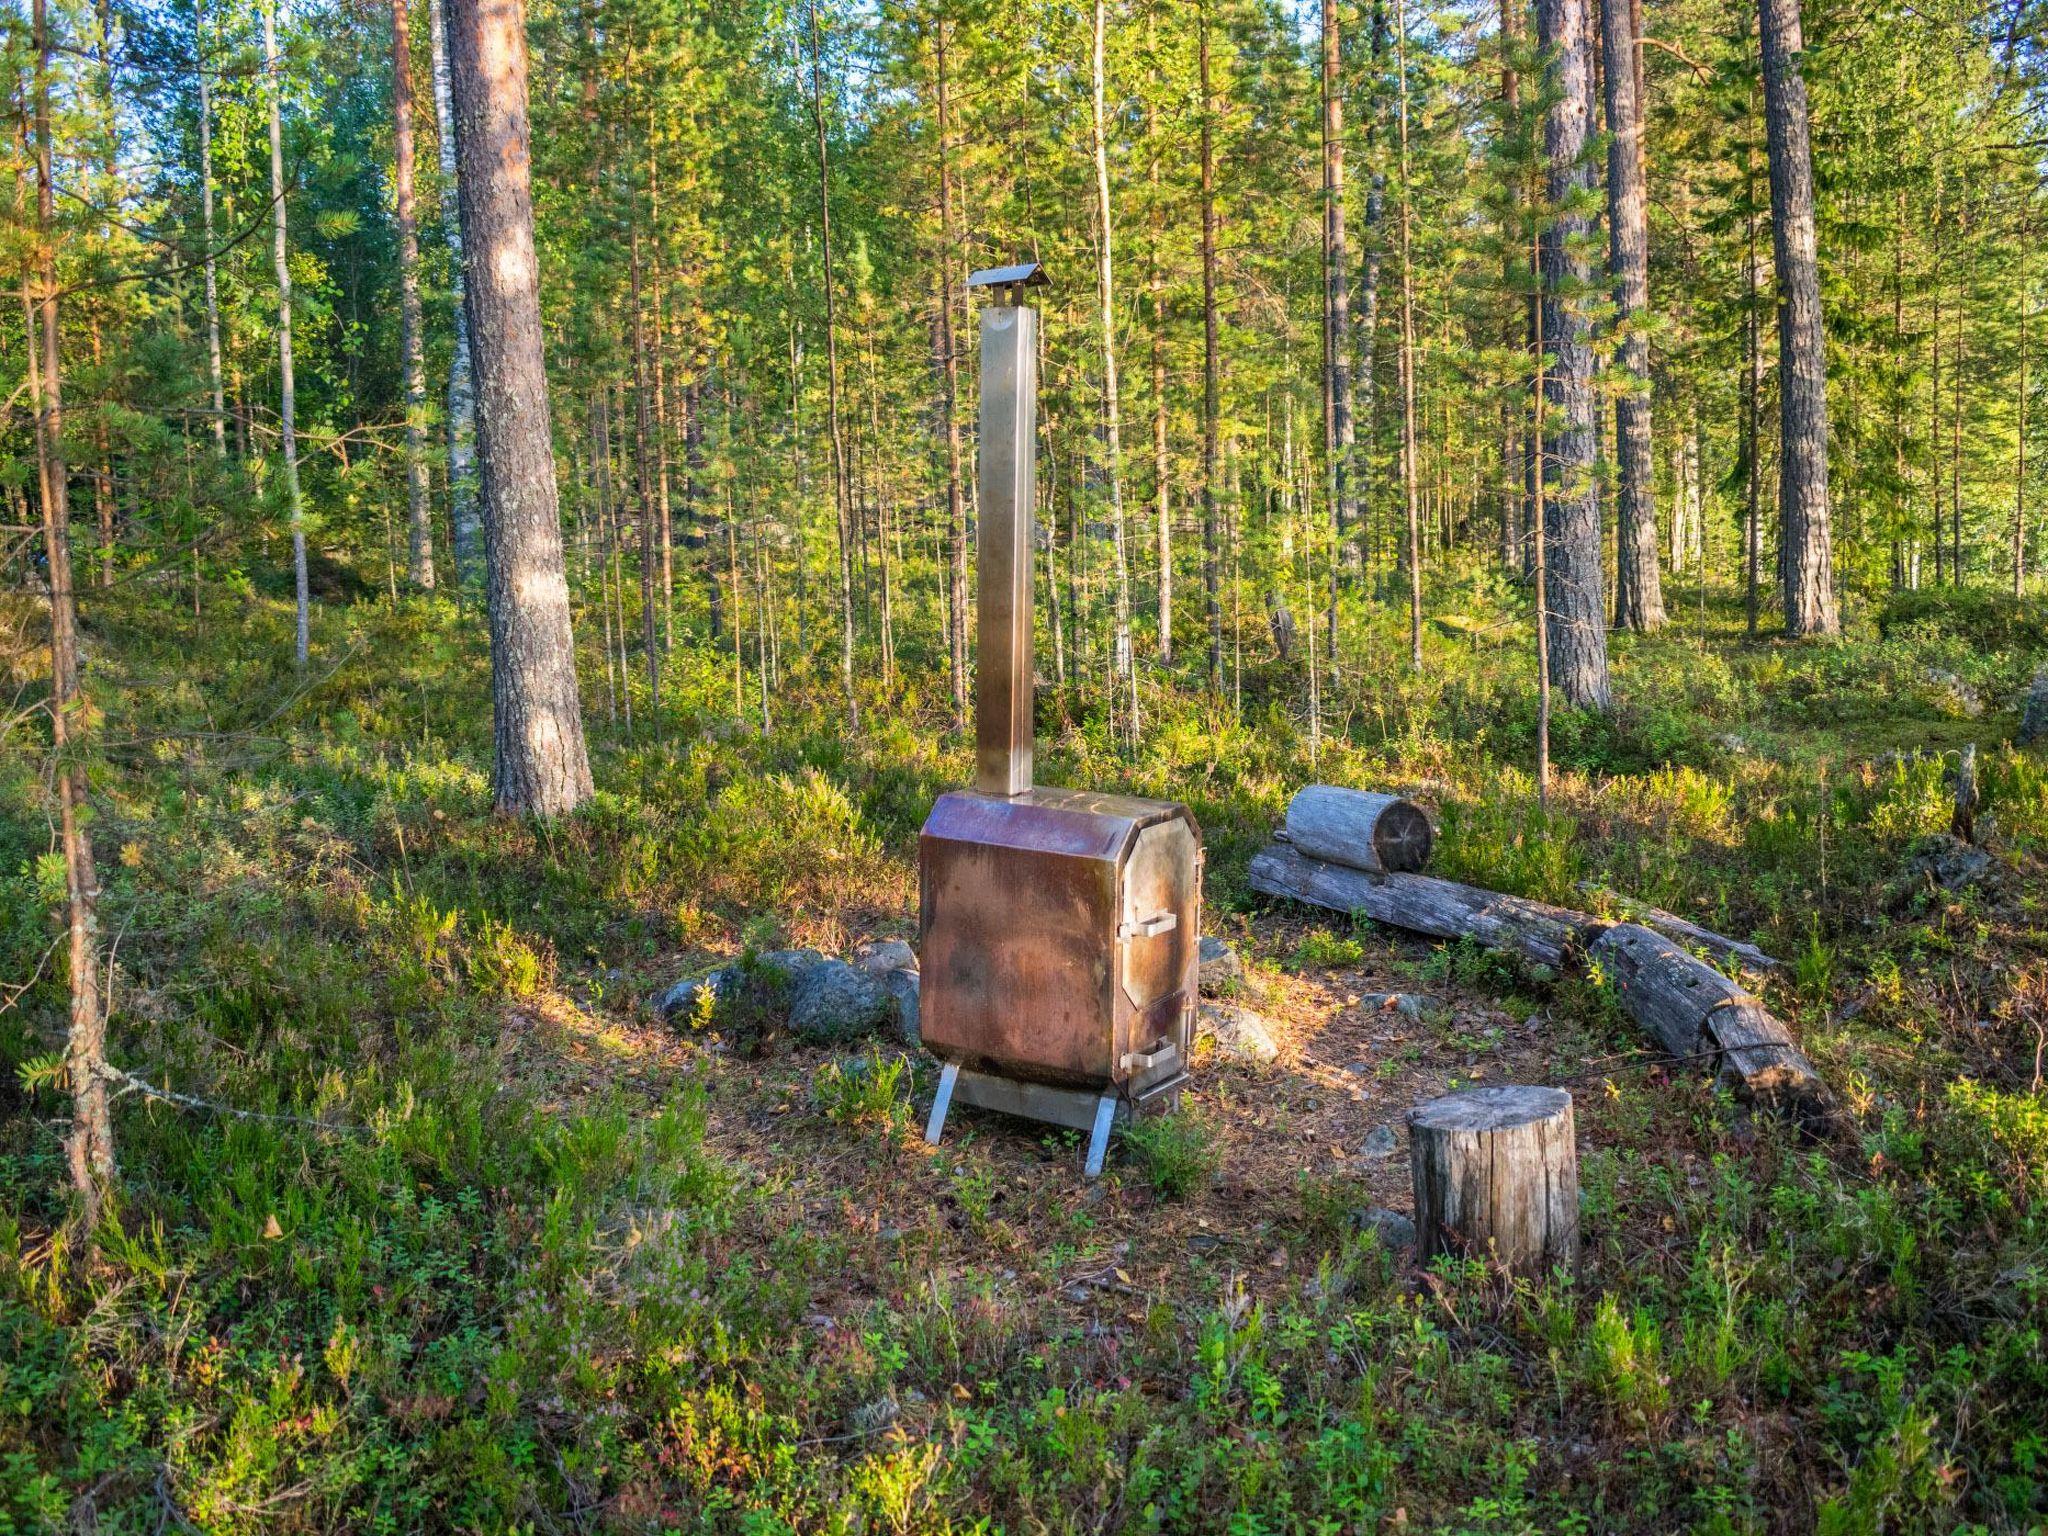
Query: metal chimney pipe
{"type": "Point", "coordinates": [1005, 671]}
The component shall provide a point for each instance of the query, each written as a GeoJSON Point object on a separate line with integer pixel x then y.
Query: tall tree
{"type": "Point", "coordinates": [202, 69]}
{"type": "Point", "coordinates": [1638, 590]}
{"type": "Point", "coordinates": [89, 1148]}
{"type": "Point", "coordinates": [1572, 597]}
{"type": "Point", "coordinates": [412, 339]}
{"type": "Point", "coordinates": [541, 767]}
{"type": "Point", "coordinates": [1410, 470]}
{"type": "Point", "coordinates": [465, 531]}
{"type": "Point", "coordinates": [1807, 556]}
{"type": "Point", "coordinates": [1123, 664]}
{"type": "Point", "coordinates": [287, 382]}
{"type": "Point", "coordinates": [1212, 369]}
{"type": "Point", "coordinates": [842, 492]}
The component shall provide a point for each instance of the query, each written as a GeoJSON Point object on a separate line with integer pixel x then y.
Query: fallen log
{"type": "Point", "coordinates": [1443, 909]}
{"type": "Point", "coordinates": [1380, 833]}
{"type": "Point", "coordinates": [1699, 1015]}
{"type": "Point", "coordinates": [1672, 926]}
{"type": "Point", "coordinates": [1687, 1006]}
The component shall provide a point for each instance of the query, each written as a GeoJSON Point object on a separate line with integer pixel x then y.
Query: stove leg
{"type": "Point", "coordinates": [941, 1102]}
{"type": "Point", "coordinates": [1098, 1139]}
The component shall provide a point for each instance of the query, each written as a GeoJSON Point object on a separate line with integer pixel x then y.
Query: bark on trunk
{"type": "Point", "coordinates": [412, 341]}
{"type": "Point", "coordinates": [842, 494]}
{"type": "Point", "coordinates": [465, 531]}
{"type": "Point", "coordinates": [1807, 558]}
{"type": "Point", "coordinates": [1123, 671]}
{"type": "Point", "coordinates": [89, 1148]}
{"type": "Point", "coordinates": [542, 767]}
{"type": "Point", "coordinates": [1409, 467]}
{"type": "Point", "coordinates": [201, 66]}
{"type": "Point", "coordinates": [956, 511]}
{"type": "Point", "coordinates": [1212, 377]}
{"type": "Point", "coordinates": [1573, 599]}
{"type": "Point", "coordinates": [1638, 590]}
{"type": "Point", "coordinates": [287, 403]}
{"type": "Point", "coordinates": [1336, 286]}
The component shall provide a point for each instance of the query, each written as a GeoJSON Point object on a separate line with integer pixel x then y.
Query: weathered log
{"type": "Point", "coordinates": [1691, 1009]}
{"type": "Point", "coordinates": [1672, 926]}
{"type": "Point", "coordinates": [1383, 834]}
{"type": "Point", "coordinates": [1443, 909]}
{"type": "Point", "coordinates": [1699, 1015]}
{"type": "Point", "coordinates": [1496, 1173]}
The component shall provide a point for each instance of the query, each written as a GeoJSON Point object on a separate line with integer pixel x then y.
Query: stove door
{"type": "Point", "coordinates": [1157, 936]}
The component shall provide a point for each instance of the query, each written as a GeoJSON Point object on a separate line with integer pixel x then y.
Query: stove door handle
{"type": "Point", "coordinates": [1150, 927]}
{"type": "Point", "coordinates": [1163, 1049]}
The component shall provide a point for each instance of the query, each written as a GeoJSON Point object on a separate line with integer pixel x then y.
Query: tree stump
{"type": "Point", "coordinates": [1497, 1176]}
{"type": "Point", "coordinates": [1382, 834]}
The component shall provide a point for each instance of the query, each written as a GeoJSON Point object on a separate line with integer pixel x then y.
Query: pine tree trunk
{"type": "Point", "coordinates": [1212, 378]}
{"type": "Point", "coordinates": [1366, 317]}
{"type": "Point", "coordinates": [842, 496]}
{"type": "Point", "coordinates": [1639, 594]}
{"type": "Point", "coordinates": [201, 67]}
{"type": "Point", "coordinates": [412, 341]}
{"type": "Point", "coordinates": [1807, 557]}
{"type": "Point", "coordinates": [956, 510]}
{"type": "Point", "coordinates": [1409, 467]}
{"type": "Point", "coordinates": [465, 529]}
{"type": "Point", "coordinates": [1573, 602]}
{"type": "Point", "coordinates": [89, 1149]}
{"type": "Point", "coordinates": [1162, 483]}
{"type": "Point", "coordinates": [1336, 285]}
{"type": "Point", "coordinates": [287, 405]}
{"type": "Point", "coordinates": [541, 764]}
{"type": "Point", "coordinates": [643, 482]}
{"type": "Point", "coordinates": [1123, 671]}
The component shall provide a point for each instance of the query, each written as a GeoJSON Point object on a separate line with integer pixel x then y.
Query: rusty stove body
{"type": "Point", "coordinates": [1059, 928]}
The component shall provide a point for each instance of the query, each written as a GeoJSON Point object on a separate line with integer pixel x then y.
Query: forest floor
{"type": "Point", "coordinates": [473, 1240]}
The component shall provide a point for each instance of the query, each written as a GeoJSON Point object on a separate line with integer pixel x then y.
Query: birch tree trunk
{"type": "Point", "coordinates": [1573, 602]}
{"type": "Point", "coordinates": [1638, 590]}
{"type": "Point", "coordinates": [1807, 558]}
{"type": "Point", "coordinates": [287, 403]}
{"type": "Point", "coordinates": [541, 764]}
{"type": "Point", "coordinates": [412, 341]}
{"type": "Point", "coordinates": [464, 529]}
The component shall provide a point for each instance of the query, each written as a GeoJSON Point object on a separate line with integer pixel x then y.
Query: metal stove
{"type": "Point", "coordinates": [1059, 927]}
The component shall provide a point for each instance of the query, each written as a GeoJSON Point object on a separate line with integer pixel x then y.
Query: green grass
{"type": "Point", "coordinates": [562, 1267]}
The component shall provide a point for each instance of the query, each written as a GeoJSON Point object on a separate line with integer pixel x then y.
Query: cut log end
{"type": "Point", "coordinates": [1382, 834]}
{"type": "Point", "coordinates": [1496, 1176]}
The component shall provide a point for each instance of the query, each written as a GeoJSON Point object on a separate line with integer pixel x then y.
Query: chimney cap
{"type": "Point", "coordinates": [1025, 274]}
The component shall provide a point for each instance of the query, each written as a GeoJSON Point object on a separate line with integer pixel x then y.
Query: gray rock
{"type": "Point", "coordinates": [1219, 965]}
{"type": "Point", "coordinates": [2034, 711]}
{"type": "Point", "coordinates": [1960, 694]}
{"type": "Point", "coordinates": [1238, 1033]}
{"type": "Point", "coordinates": [793, 963]}
{"type": "Point", "coordinates": [903, 987]}
{"type": "Point", "coordinates": [886, 955]}
{"type": "Point", "coordinates": [1396, 1232]}
{"type": "Point", "coordinates": [1380, 1142]}
{"type": "Point", "coordinates": [833, 1001]}
{"type": "Point", "coordinates": [1946, 861]}
{"type": "Point", "coordinates": [1407, 1004]}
